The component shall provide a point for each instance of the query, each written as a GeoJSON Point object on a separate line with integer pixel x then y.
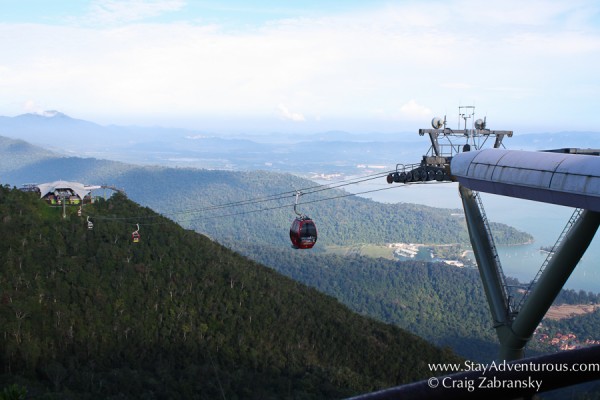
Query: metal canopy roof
{"type": "Point", "coordinates": [79, 189]}
{"type": "Point", "coordinates": [566, 179]}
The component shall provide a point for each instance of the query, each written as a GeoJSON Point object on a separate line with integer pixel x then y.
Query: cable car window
{"type": "Point", "coordinates": [309, 229]}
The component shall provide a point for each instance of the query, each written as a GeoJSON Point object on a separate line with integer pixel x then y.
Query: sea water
{"type": "Point", "coordinates": [543, 221]}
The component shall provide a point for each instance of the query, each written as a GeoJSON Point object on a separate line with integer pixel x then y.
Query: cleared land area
{"type": "Point", "coordinates": [570, 310]}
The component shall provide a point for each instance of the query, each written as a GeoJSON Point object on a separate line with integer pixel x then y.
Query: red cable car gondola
{"type": "Point", "coordinates": [303, 232]}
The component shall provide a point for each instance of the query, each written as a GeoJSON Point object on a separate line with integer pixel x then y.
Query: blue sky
{"type": "Point", "coordinates": [303, 66]}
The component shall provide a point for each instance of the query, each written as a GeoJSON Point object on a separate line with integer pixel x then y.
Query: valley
{"type": "Point", "coordinates": [402, 263]}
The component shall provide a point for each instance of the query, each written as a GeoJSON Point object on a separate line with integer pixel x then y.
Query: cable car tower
{"type": "Point", "coordinates": [446, 143]}
{"type": "Point", "coordinates": [569, 177]}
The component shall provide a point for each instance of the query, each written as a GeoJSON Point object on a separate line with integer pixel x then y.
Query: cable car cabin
{"type": "Point", "coordinates": [303, 233]}
{"type": "Point", "coordinates": [135, 236]}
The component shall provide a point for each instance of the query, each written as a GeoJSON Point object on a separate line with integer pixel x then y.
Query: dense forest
{"type": "Point", "coordinates": [441, 303]}
{"type": "Point", "coordinates": [90, 314]}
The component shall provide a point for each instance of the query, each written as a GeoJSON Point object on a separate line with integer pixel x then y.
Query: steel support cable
{"type": "Point", "coordinates": [289, 205]}
{"type": "Point", "coordinates": [287, 195]}
{"type": "Point", "coordinates": [122, 220]}
{"type": "Point", "coordinates": [274, 197]}
{"type": "Point", "coordinates": [311, 201]}
{"type": "Point", "coordinates": [283, 195]}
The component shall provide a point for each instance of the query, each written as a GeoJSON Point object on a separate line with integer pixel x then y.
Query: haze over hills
{"type": "Point", "coordinates": [306, 154]}
{"type": "Point", "coordinates": [179, 147]}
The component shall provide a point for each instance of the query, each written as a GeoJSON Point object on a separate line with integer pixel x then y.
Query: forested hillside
{"type": "Point", "coordinates": [441, 303]}
{"type": "Point", "coordinates": [208, 202]}
{"type": "Point", "coordinates": [340, 220]}
{"type": "Point", "coordinates": [90, 314]}
{"type": "Point", "coordinates": [17, 154]}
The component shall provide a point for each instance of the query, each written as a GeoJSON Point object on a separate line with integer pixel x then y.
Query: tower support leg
{"type": "Point", "coordinates": [514, 332]}
{"type": "Point", "coordinates": [552, 280]}
{"type": "Point", "coordinates": [487, 262]}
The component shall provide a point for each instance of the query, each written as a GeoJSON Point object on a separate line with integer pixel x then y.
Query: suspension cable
{"type": "Point", "coordinates": [274, 197]}
{"type": "Point", "coordinates": [122, 219]}
{"type": "Point", "coordinates": [291, 205]}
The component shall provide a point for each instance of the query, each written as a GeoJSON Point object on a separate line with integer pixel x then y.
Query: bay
{"type": "Point", "coordinates": [542, 220]}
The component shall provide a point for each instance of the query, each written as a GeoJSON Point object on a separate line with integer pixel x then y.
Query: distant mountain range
{"type": "Point", "coordinates": [303, 154]}
{"type": "Point", "coordinates": [324, 152]}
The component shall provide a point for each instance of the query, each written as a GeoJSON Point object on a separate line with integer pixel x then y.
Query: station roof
{"type": "Point", "coordinates": [79, 189]}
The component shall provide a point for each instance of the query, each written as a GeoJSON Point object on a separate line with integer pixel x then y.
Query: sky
{"type": "Point", "coordinates": [304, 66]}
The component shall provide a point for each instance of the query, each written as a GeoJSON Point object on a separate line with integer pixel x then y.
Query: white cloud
{"type": "Point", "coordinates": [414, 110]}
{"type": "Point", "coordinates": [290, 116]}
{"type": "Point", "coordinates": [339, 67]}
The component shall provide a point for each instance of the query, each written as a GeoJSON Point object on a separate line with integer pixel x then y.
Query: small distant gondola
{"type": "Point", "coordinates": [303, 232]}
{"type": "Point", "coordinates": [135, 235]}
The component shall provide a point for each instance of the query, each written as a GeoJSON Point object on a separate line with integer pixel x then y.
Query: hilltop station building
{"type": "Point", "coordinates": [71, 193]}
